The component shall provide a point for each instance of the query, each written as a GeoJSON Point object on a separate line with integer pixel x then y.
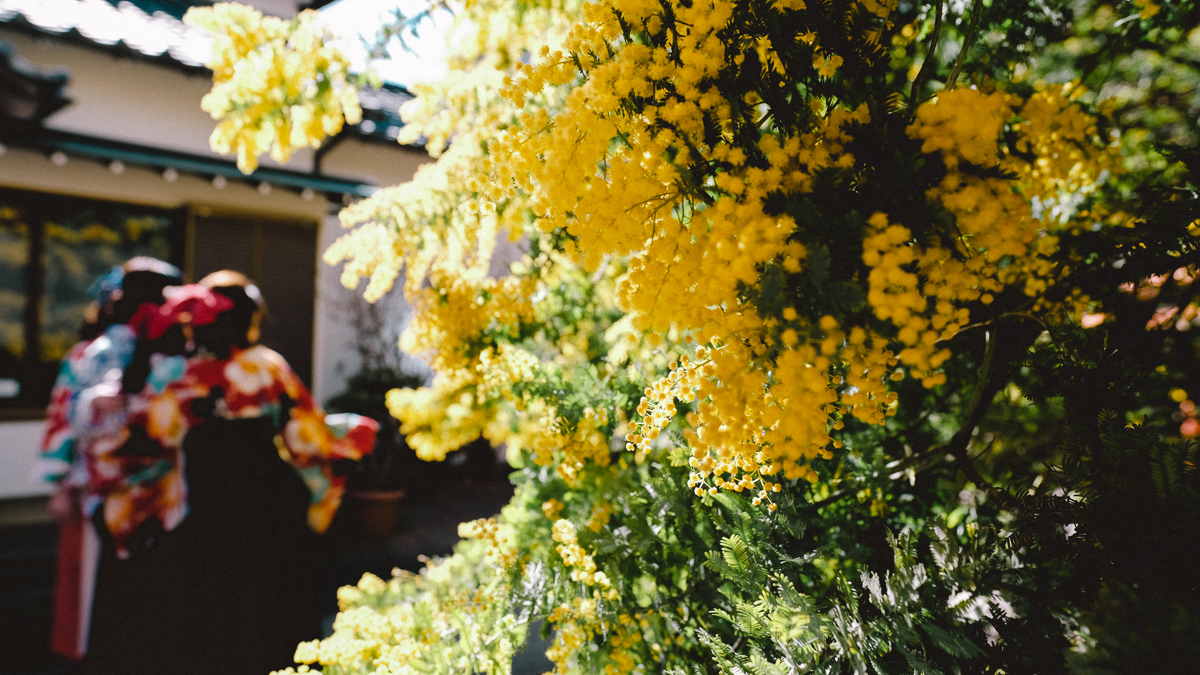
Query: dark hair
{"type": "Point", "coordinates": [142, 279]}
{"type": "Point", "coordinates": [140, 286]}
{"type": "Point", "coordinates": [232, 327]}
{"type": "Point", "coordinates": [137, 288]}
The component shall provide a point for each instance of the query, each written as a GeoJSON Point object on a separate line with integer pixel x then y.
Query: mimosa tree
{"type": "Point", "coordinates": [849, 337]}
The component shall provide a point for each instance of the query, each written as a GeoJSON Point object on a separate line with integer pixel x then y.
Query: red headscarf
{"type": "Point", "coordinates": [186, 305]}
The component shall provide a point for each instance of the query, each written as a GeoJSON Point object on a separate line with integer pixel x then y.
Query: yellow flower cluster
{"type": "Point", "coordinates": [277, 85]}
{"type": "Point", "coordinates": [499, 549]}
{"type": "Point", "coordinates": [464, 404]}
{"type": "Point", "coordinates": [601, 514]}
{"type": "Point", "coordinates": [747, 425]}
{"type": "Point", "coordinates": [868, 368]}
{"type": "Point", "coordinates": [897, 294]}
{"type": "Point", "coordinates": [626, 637]}
{"type": "Point", "coordinates": [1148, 8]}
{"type": "Point", "coordinates": [441, 418]}
{"type": "Point", "coordinates": [501, 367]}
{"type": "Point", "coordinates": [574, 555]}
{"type": "Point", "coordinates": [361, 634]}
{"type": "Point", "coordinates": [406, 624]}
{"type": "Point", "coordinates": [1002, 242]}
{"type": "Point", "coordinates": [627, 651]}
{"type": "Point", "coordinates": [586, 443]}
{"type": "Point", "coordinates": [688, 264]}
{"type": "Point", "coordinates": [568, 451]}
{"type": "Point", "coordinates": [944, 128]}
{"type": "Point", "coordinates": [448, 316]}
{"type": "Point", "coordinates": [575, 624]}
{"type": "Point", "coordinates": [657, 407]}
{"type": "Point", "coordinates": [746, 428]}
{"type": "Point", "coordinates": [552, 509]}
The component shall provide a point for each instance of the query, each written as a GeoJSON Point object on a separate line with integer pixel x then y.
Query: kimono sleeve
{"type": "Point", "coordinates": [307, 436]}
{"type": "Point", "coordinates": [57, 447]}
{"type": "Point", "coordinates": [352, 437]}
{"type": "Point", "coordinates": [312, 442]}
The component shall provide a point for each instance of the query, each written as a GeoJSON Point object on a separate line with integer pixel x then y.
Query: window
{"type": "Point", "coordinates": [52, 248]}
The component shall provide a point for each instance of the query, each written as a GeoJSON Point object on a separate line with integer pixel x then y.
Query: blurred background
{"type": "Point", "coordinates": [104, 155]}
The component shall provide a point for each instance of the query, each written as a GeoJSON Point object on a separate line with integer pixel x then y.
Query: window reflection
{"type": "Point", "coordinates": [51, 250]}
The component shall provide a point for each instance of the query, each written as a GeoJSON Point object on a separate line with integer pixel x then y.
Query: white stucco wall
{"type": "Point", "coordinates": [281, 8]}
{"type": "Point", "coordinates": [18, 452]}
{"type": "Point", "coordinates": [381, 164]}
{"type": "Point", "coordinates": [336, 339]}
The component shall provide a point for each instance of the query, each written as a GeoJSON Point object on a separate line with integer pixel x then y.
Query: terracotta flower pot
{"type": "Point", "coordinates": [373, 512]}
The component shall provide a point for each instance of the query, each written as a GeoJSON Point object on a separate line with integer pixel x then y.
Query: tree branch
{"type": "Point", "coordinates": [1010, 337]}
{"type": "Point", "coordinates": [976, 10]}
{"type": "Point", "coordinates": [930, 57]}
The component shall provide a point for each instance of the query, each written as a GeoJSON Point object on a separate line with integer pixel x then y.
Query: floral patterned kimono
{"type": "Point", "coordinates": [241, 445]}
{"type": "Point", "coordinates": [72, 429]}
{"type": "Point", "coordinates": [144, 482]}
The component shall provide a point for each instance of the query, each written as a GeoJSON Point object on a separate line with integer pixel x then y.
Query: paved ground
{"type": "Point", "coordinates": [427, 525]}
{"type": "Point", "coordinates": [26, 583]}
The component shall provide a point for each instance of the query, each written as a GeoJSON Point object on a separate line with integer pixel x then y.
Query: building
{"type": "Point", "coordinates": [104, 154]}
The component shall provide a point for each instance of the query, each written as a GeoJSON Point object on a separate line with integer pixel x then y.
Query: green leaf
{"type": "Point", "coordinates": [953, 643]}
{"type": "Point", "coordinates": [736, 555]}
{"type": "Point", "coordinates": [817, 268]}
{"type": "Point", "coordinates": [845, 297]}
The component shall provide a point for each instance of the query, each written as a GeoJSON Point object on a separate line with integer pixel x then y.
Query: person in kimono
{"type": "Point", "coordinates": [230, 429]}
{"type": "Point", "coordinates": [73, 427]}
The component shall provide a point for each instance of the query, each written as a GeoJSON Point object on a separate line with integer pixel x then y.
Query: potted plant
{"type": "Point", "coordinates": [376, 483]}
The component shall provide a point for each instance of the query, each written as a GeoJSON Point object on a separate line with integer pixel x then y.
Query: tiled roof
{"type": "Point", "coordinates": [113, 24]}
{"type": "Point", "coordinates": [153, 29]}
{"type": "Point", "coordinates": [31, 94]}
{"type": "Point", "coordinates": [381, 111]}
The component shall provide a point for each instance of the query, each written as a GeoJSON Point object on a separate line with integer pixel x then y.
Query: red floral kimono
{"type": "Point", "coordinates": [252, 383]}
{"type": "Point", "coordinates": [238, 446]}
